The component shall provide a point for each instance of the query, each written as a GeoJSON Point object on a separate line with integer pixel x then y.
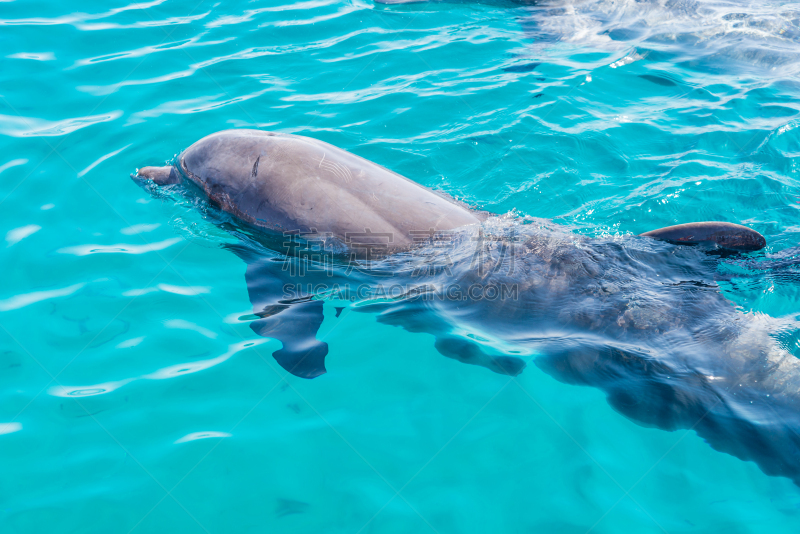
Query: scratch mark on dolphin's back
{"type": "Point", "coordinates": [254, 173]}
{"type": "Point", "coordinates": [336, 169]}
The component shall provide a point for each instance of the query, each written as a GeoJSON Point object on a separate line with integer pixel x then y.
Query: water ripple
{"type": "Point", "coordinates": [611, 116]}
{"type": "Point", "coordinates": [18, 126]}
{"type": "Point", "coordinates": [164, 373]}
{"type": "Point", "coordinates": [194, 436]}
{"type": "Point", "coordinates": [20, 301]}
{"type": "Point", "coordinates": [123, 248]}
{"type": "Point", "coordinates": [9, 428]}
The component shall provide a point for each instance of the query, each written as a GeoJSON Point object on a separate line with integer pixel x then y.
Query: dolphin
{"type": "Point", "coordinates": [640, 317]}
{"type": "Point", "coordinates": [291, 185]}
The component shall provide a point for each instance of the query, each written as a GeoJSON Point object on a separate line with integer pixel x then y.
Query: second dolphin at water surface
{"type": "Point", "coordinates": [640, 319]}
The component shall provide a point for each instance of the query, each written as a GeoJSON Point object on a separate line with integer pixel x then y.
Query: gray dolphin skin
{"type": "Point", "coordinates": [642, 318]}
{"type": "Point", "coordinates": [284, 182]}
{"type": "Point", "coordinates": [726, 235]}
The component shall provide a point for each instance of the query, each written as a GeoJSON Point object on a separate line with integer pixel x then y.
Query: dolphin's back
{"type": "Point", "coordinates": [289, 183]}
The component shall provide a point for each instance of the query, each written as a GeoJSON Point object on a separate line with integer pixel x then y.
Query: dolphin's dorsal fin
{"type": "Point", "coordinates": [723, 234]}
{"type": "Point", "coordinates": [294, 322]}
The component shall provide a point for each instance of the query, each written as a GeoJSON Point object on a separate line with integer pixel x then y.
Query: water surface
{"type": "Point", "coordinates": [135, 396]}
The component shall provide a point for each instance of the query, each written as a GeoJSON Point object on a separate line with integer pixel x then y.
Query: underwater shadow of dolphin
{"type": "Point", "coordinates": [641, 319]}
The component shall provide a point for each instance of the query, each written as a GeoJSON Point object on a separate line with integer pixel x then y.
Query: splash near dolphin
{"type": "Point", "coordinates": [642, 318]}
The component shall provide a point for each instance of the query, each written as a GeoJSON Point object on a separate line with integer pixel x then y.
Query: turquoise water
{"type": "Point", "coordinates": [135, 397]}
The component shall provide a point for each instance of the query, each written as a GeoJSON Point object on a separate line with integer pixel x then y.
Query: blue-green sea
{"type": "Point", "coordinates": [134, 397]}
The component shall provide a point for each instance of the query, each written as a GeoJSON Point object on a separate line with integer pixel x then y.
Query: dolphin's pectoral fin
{"type": "Point", "coordinates": [414, 316]}
{"type": "Point", "coordinates": [723, 234]}
{"type": "Point", "coordinates": [468, 352]}
{"type": "Point", "coordinates": [291, 319]}
{"type": "Point", "coordinates": [273, 309]}
{"type": "Point", "coordinates": [296, 327]}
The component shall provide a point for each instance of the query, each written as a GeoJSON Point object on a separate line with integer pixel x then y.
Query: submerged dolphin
{"type": "Point", "coordinates": [642, 319]}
